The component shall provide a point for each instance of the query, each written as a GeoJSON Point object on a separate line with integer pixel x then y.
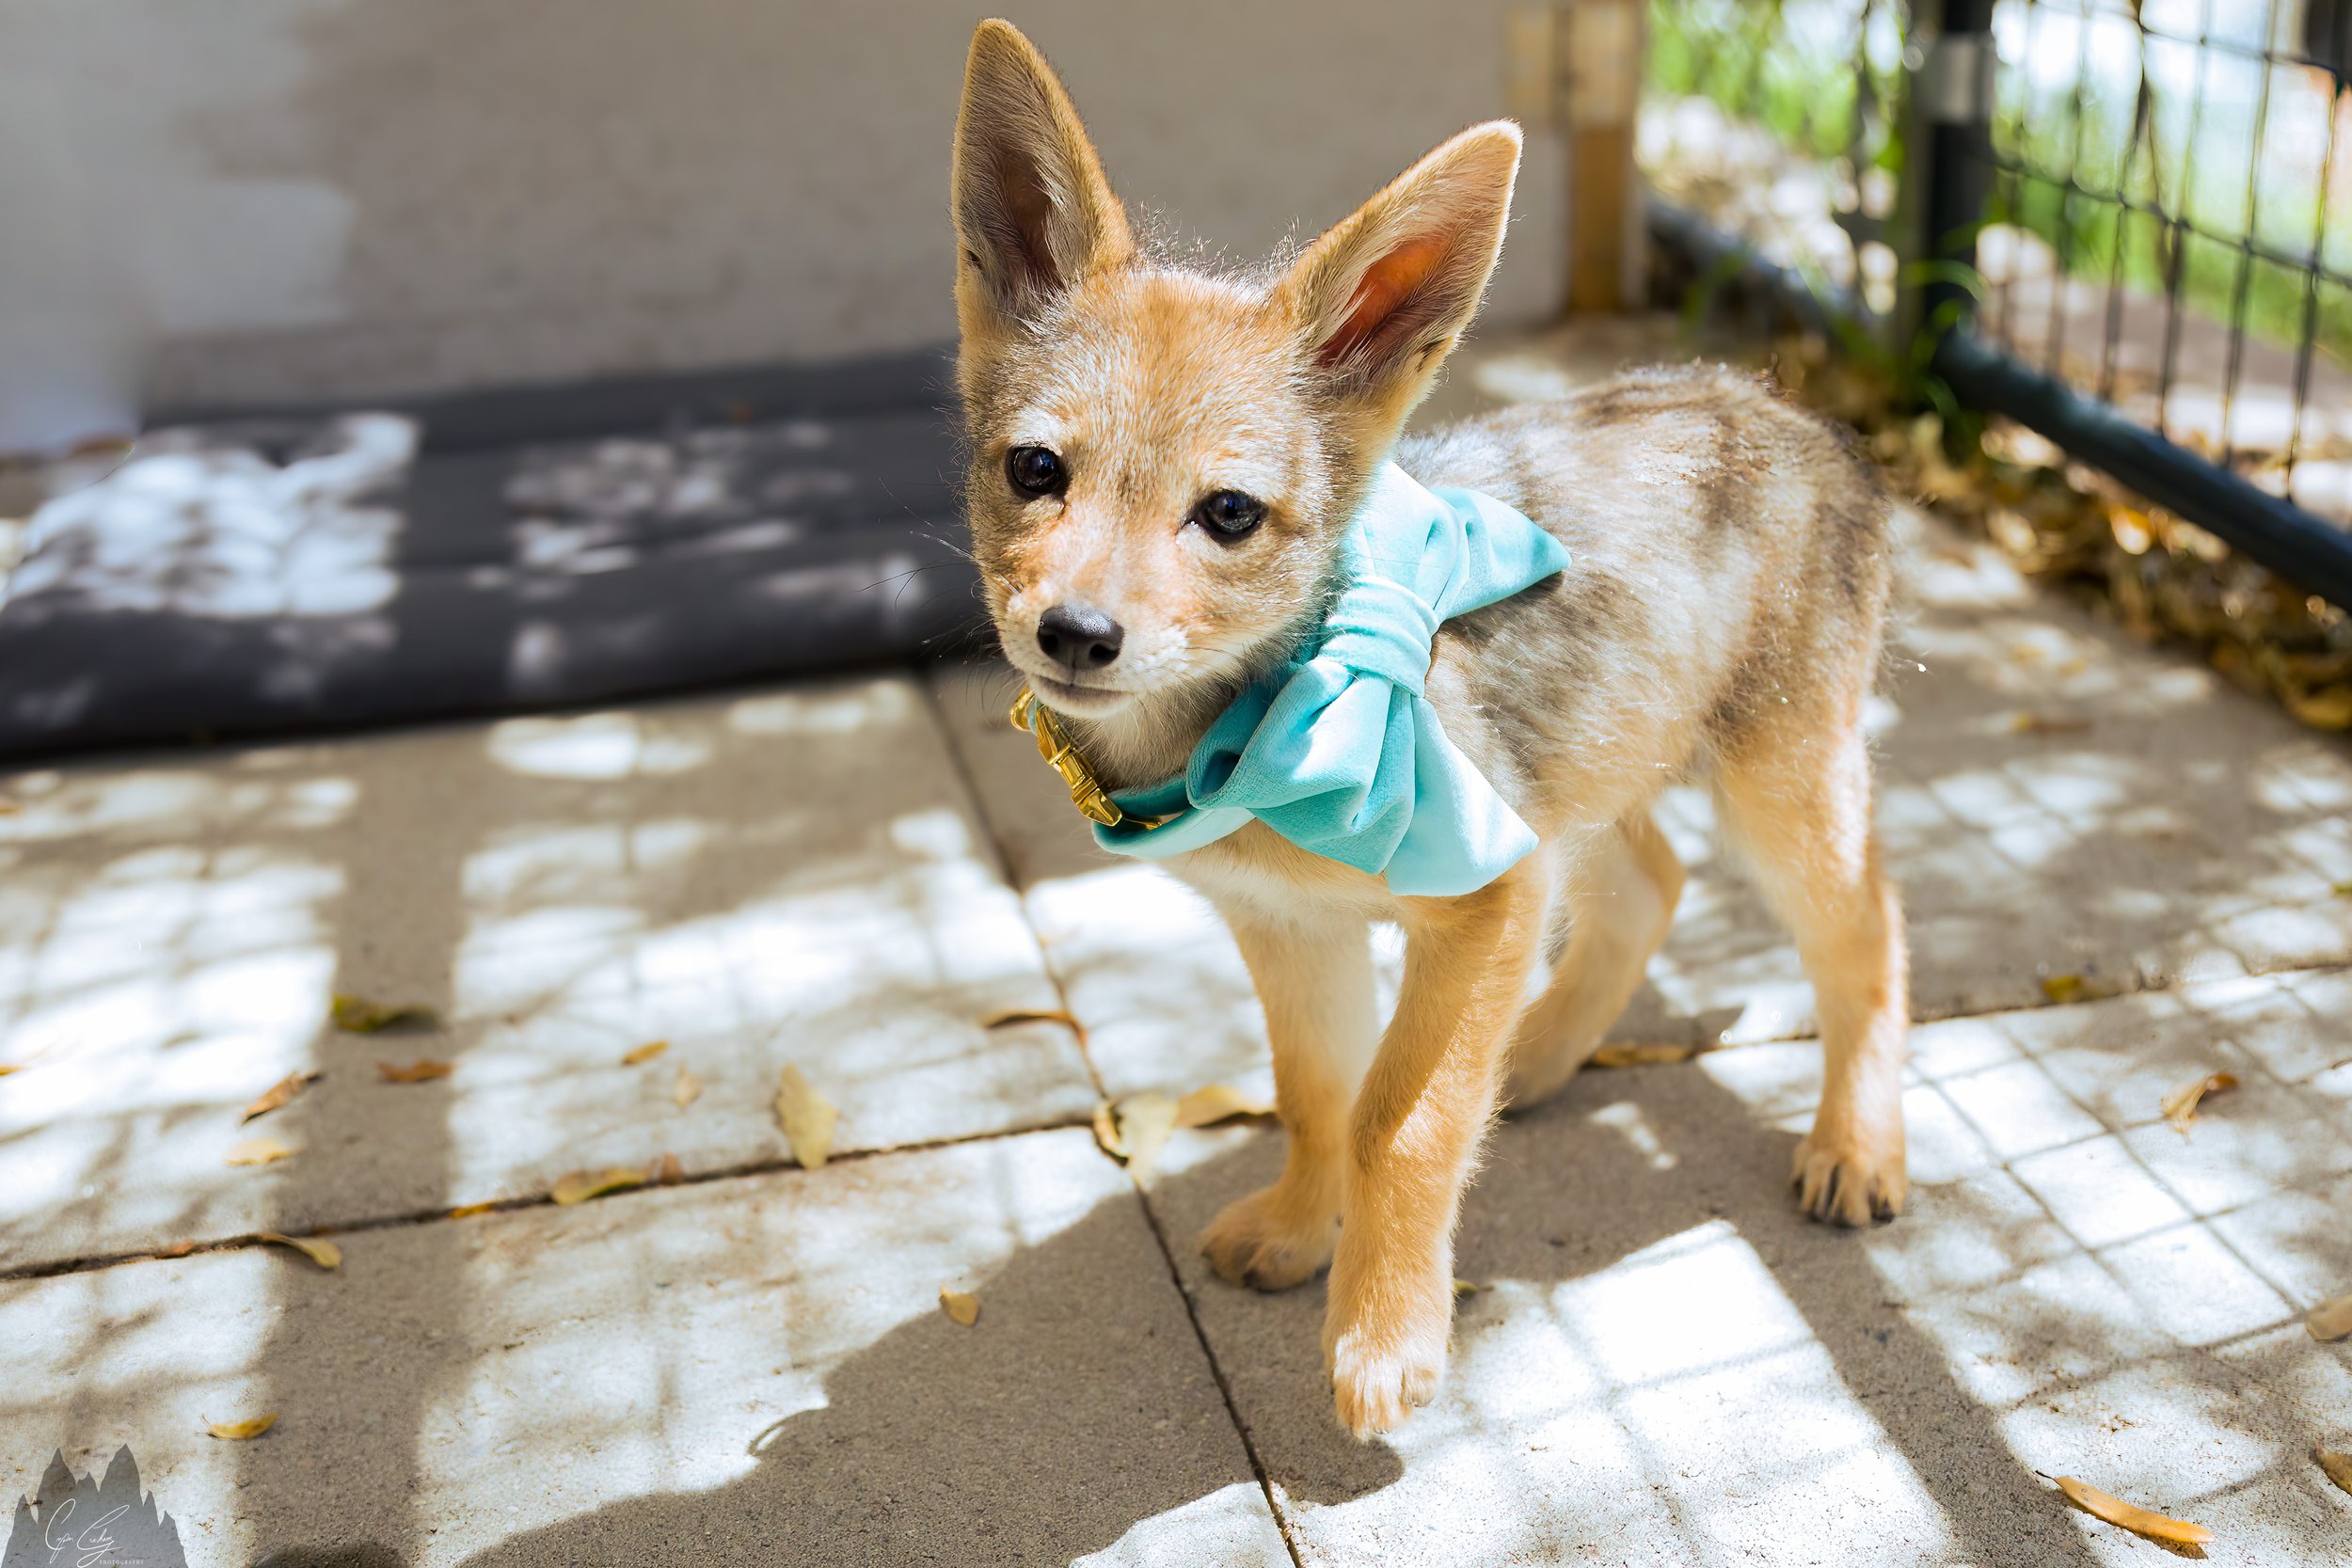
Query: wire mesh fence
{"type": "Point", "coordinates": [2163, 220]}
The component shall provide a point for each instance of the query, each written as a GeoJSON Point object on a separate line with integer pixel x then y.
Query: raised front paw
{"type": "Point", "coordinates": [1386, 1363]}
{"type": "Point", "coordinates": [1851, 1177]}
{"type": "Point", "coordinates": [1270, 1241]}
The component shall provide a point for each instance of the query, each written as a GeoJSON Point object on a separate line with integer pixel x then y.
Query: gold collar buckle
{"type": "Point", "coordinates": [1086, 790]}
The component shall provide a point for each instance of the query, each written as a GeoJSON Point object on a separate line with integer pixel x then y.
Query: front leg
{"type": "Point", "coordinates": [1313, 976]}
{"type": "Point", "coordinates": [1411, 1143]}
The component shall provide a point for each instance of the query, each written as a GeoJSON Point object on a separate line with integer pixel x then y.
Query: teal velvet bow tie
{"type": "Point", "coordinates": [1336, 749]}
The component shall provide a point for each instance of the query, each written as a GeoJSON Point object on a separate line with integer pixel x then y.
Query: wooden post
{"type": "Point", "coordinates": [1600, 60]}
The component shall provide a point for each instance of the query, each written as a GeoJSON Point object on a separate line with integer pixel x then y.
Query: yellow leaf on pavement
{"type": "Point", "coordinates": [2046, 723]}
{"type": "Point", "coordinates": [279, 1093]}
{"type": "Point", "coordinates": [239, 1432]}
{"type": "Point", "coordinates": [359, 1015]}
{"type": "Point", "coordinates": [258, 1151]}
{"type": "Point", "coordinates": [1106, 1129]}
{"type": "Point", "coordinates": [2328, 709]}
{"type": "Point", "coordinates": [468, 1210]}
{"type": "Point", "coordinates": [7, 1067]}
{"type": "Point", "coordinates": [960, 1306]}
{"type": "Point", "coordinates": [1145, 1120]}
{"type": "Point", "coordinates": [807, 1118]}
{"type": "Point", "coordinates": [2115, 1510]}
{"type": "Point", "coordinates": [581, 1186]}
{"type": "Point", "coordinates": [644, 1053]}
{"type": "Point", "coordinates": [1642, 1055]}
{"type": "Point", "coordinates": [2338, 1466]}
{"type": "Point", "coordinates": [1012, 1016]}
{"type": "Point", "coordinates": [419, 1071]}
{"type": "Point", "coordinates": [1217, 1102]}
{"type": "Point", "coordinates": [327, 1255]}
{"type": "Point", "coordinates": [2065, 988]}
{"type": "Point", "coordinates": [2180, 1107]}
{"type": "Point", "coordinates": [2330, 1320]}
{"type": "Point", "coordinates": [687, 1088]}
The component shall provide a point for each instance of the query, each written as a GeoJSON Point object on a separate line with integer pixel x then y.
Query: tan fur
{"type": "Point", "coordinates": [1722, 615]}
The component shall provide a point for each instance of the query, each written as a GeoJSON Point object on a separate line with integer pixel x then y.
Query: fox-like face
{"type": "Point", "coordinates": [1164, 462]}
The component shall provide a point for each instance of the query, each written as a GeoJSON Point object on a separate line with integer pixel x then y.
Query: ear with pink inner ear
{"type": "Point", "coordinates": [1381, 298]}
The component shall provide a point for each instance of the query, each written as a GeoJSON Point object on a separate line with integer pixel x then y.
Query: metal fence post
{"type": "Point", "coordinates": [1950, 150]}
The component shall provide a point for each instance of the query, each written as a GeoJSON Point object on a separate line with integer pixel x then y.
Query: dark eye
{"type": "Point", "coordinates": [1228, 514]}
{"type": "Point", "coordinates": [1034, 471]}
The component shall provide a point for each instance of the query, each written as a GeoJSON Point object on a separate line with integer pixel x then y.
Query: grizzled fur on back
{"type": "Point", "coordinates": [1731, 569]}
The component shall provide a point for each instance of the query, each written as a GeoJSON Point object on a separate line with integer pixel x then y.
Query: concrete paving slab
{"type": "Point", "coordinates": [789, 877]}
{"type": "Point", "coordinates": [1143, 960]}
{"type": "Point", "coordinates": [1665, 1364]}
{"type": "Point", "coordinates": [738, 1370]}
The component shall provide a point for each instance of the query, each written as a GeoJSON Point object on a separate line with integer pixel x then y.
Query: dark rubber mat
{"type": "Point", "coordinates": [283, 574]}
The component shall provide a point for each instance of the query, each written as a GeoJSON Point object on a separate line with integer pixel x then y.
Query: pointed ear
{"type": "Point", "coordinates": [1033, 211]}
{"type": "Point", "coordinates": [1381, 299]}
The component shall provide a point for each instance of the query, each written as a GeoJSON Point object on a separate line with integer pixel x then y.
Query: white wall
{"type": "Point", "coordinates": [267, 200]}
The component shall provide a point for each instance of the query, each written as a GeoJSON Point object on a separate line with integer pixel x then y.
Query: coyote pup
{"type": "Point", "coordinates": [1187, 493]}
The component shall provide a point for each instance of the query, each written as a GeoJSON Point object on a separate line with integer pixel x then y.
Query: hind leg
{"type": "Point", "coordinates": [1799, 804]}
{"type": "Point", "coordinates": [1621, 900]}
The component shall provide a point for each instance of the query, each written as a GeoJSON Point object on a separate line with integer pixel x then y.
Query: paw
{"type": "Point", "coordinates": [1848, 1178]}
{"type": "Point", "coordinates": [1265, 1243]}
{"type": "Point", "coordinates": [1383, 1369]}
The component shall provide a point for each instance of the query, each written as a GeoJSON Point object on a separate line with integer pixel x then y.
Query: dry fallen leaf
{"type": "Point", "coordinates": [1012, 1016]}
{"type": "Point", "coordinates": [807, 1118]}
{"type": "Point", "coordinates": [7, 1067]}
{"type": "Point", "coordinates": [468, 1210]}
{"type": "Point", "coordinates": [258, 1151]}
{"type": "Point", "coordinates": [421, 1070]}
{"type": "Point", "coordinates": [327, 1255]}
{"type": "Point", "coordinates": [2330, 1320]}
{"type": "Point", "coordinates": [1106, 1129]}
{"type": "Point", "coordinates": [2063, 989]}
{"type": "Point", "coordinates": [2338, 1466]}
{"type": "Point", "coordinates": [1214, 1103]}
{"type": "Point", "coordinates": [1145, 1120]}
{"type": "Point", "coordinates": [2329, 708]}
{"type": "Point", "coordinates": [2180, 1107]}
{"type": "Point", "coordinates": [239, 1432]}
{"type": "Point", "coordinates": [1642, 1055]}
{"type": "Point", "coordinates": [1463, 1289]}
{"type": "Point", "coordinates": [687, 1088]}
{"type": "Point", "coordinates": [644, 1053]}
{"type": "Point", "coordinates": [2115, 1510]}
{"type": "Point", "coordinates": [581, 1186]}
{"type": "Point", "coordinates": [2046, 723]}
{"type": "Point", "coordinates": [960, 1306]}
{"type": "Point", "coordinates": [279, 1093]}
{"type": "Point", "coordinates": [667, 1170]}
{"type": "Point", "coordinates": [358, 1015]}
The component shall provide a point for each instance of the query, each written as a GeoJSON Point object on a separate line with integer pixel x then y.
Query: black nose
{"type": "Point", "coordinates": [1079, 635]}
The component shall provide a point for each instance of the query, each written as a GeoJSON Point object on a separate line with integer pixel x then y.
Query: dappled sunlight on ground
{"type": "Point", "coordinates": [791, 876]}
{"type": "Point", "coordinates": [1663, 1361]}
